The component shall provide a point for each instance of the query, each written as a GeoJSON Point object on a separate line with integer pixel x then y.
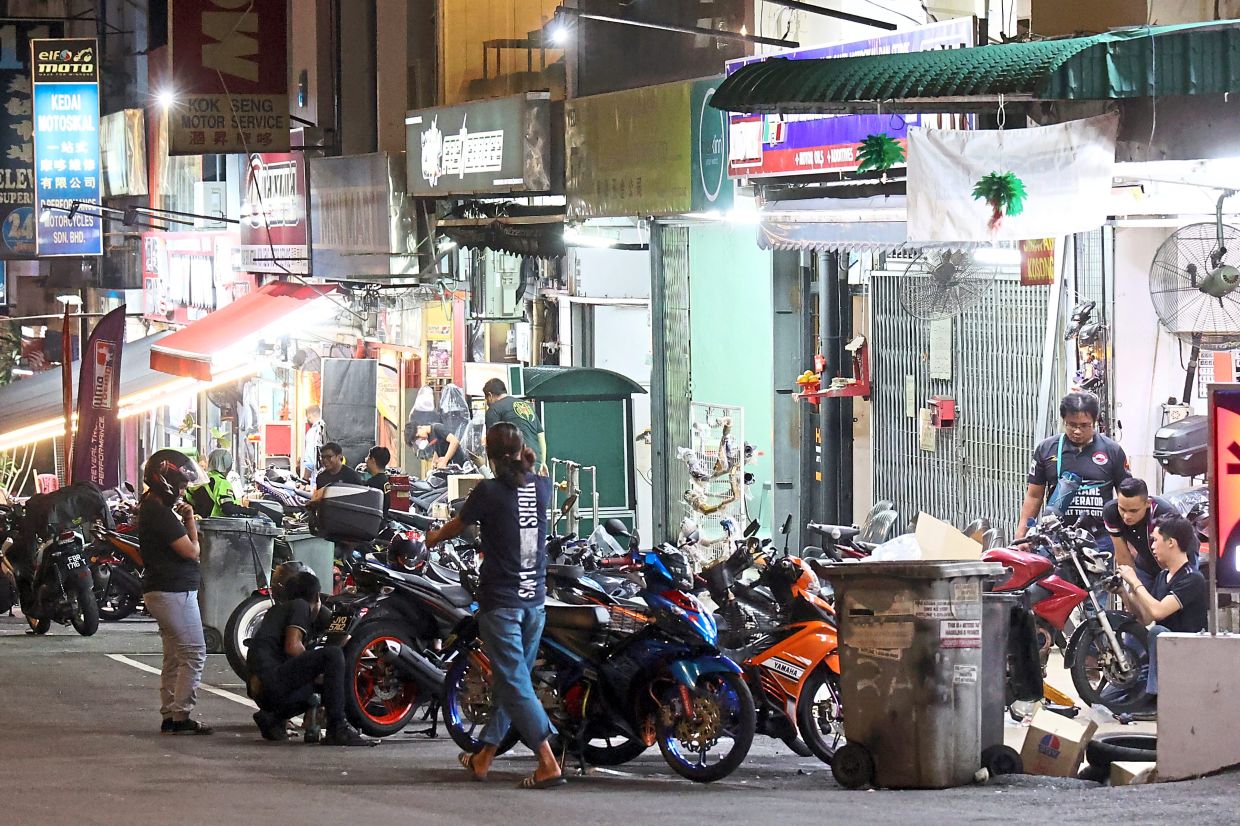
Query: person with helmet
{"type": "Point", "coordinates": [168, 538]}
{"type": "Point", "coordinates": [284, 673]}
{"type": "Point", "coordinates": [210, 498]}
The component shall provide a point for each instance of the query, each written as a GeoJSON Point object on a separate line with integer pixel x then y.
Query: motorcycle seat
{"type": "Point", "coordinates": [443, 574]}
{"type": "Point", "coordinates": [456, 595]}
{"type": "Point", "coordinates": [411, 520]}
{"type": "Point", "coordinates": [565, 573]}
{"type": "Point", "coordinates": [576, 617]}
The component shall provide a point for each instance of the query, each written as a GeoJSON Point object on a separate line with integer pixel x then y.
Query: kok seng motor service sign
{"type": "Point", "coordinates": [229, 79]}
{"type": "Point", "coordinates": [65, 76]}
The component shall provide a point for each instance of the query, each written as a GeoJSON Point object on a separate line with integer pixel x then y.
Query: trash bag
{"type": "Point", "coordinates": [1024, 678]}
{"type": "Point", "coordinates": [903, 548]}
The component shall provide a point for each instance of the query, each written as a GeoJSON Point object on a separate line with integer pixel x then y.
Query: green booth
{"type": "Point", "coordinates": [588, 417]}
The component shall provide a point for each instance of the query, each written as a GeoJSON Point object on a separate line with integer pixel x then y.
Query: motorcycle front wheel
{"type": "Point", "coordinates": [468, 702]}
{"type": "Point", "coordinates": [705, 739]}
{"type": "Point", "coordinates": [1095, 667]}
{"type": "Point", "coordinates": [820, 717]}
{"type": "Point", "coordinates": [242, 624]}
{"type": "Point", "coordinates": [120, 597]}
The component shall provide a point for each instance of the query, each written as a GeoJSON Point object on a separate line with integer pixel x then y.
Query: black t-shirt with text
{"type": "Point", "coordinates": [1138, 536]}
{"type": "Point", "coordinates": [346, 476]}
{"type": "Point", "coordinates": [166, 570]}
{"type": "Point", "coordinates": [1101, 464]}
{"type": "Point", "coordinates": [380, 481]}
{"type": "Point", "coordinates": [267, 644]}
{"type": "Point", "coordinates": [1189, 587]}
{"type": "Point", "coordinates": [513, 525]}
{"type": "Point", "coordinates": [520, 413]}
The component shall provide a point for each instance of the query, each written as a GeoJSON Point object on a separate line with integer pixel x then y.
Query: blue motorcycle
{"type": "Point", "coordinates": [615, 681]}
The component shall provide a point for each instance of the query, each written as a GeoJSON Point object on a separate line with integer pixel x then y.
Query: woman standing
{"type": "Point", "coordinates": [168, 537]}
{"type": "Point", "coordinates": [512, 512]}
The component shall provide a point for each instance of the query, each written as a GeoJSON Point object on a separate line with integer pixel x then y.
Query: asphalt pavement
{"type": "Point", "coordinates": [80, 744]}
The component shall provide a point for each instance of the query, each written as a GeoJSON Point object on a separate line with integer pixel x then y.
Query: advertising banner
{"type": "Point", "coordinates": [122, 139]}
{"type": "Point", "coordinates": [65, 75]}
{"type": "Point", "coordinates": [273, 215]}
{"type": "Point", "coordinates": [360, 218]}
{"type": "Point", "coordinates": [765, 145]}
{"type": "Point", "coordinates": [1224, 478]}
{"type": "Point", "coordinates": [230, 63]}
{"type": "Point", "coordinates": [186, 275]}
{"type": "Point", "coordinates": [17, 135]}
{"type": "Point", "coordinates": [489, 146]}
{"type": "Point", "coordinates": [97, 446]}
{"type": "Point", "coordinates": [1037, 262]}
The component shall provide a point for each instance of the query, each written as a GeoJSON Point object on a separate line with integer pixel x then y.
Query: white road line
{"type": "Point", "coordinates": [210, 689]}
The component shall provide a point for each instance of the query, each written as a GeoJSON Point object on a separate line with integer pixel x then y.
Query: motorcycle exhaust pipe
{"type": "Point", "coordinates": [411, 665]}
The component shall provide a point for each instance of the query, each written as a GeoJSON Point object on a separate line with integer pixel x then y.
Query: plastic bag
{"type": "Point", "coordinates": [903, 548]}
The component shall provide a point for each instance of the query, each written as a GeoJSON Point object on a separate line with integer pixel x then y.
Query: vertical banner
{"type": "Point", "coordinates": [66, 146]}
{"type": "Point", "coordinates": [16, 135]}
{"type": "Point", "coordinates": [66, 393]}
{"type": "Point", "coordinates": [230, 60]}
{"type": "Point", "coordinates": [97, 449]}
{"type": "Point", "coordinates": [1224, 475]}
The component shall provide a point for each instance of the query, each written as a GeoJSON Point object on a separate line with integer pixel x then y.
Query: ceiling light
{"type": "Point", "coordinates": [575, 238]}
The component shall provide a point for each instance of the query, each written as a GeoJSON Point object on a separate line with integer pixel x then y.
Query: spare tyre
{"type": "Point", "coordinates": [1106, 749]}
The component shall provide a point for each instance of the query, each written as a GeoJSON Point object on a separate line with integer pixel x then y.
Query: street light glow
{"type": "Point", "coordinates": [166, 98]}
{"type": "Point", "coordinates": [559, 34]}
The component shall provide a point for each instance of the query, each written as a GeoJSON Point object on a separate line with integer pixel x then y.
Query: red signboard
{"type": "Point", "coordinates": [1037, 262]}
{"type": "Point", "coordinates": [229, 75]}
{"type": "Point", "coordinates": [273, 215]}
{"type": "Point", "coordinates": [1225, 483]}
{"type": "Point", "coordinates": [186, 275]}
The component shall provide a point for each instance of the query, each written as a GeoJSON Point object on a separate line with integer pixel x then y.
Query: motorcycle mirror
{"type": "Point", "coordinates": [568, 504]}
{"type": "Point", "coordinates": [752, 528]}
{"type": "Point", "coordinates": [129, 487]}
{"type": "Point", "coordinates": [783, 531]}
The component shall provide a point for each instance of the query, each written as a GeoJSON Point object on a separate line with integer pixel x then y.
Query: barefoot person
{"type": "Point", "coordinates": [512, 512]}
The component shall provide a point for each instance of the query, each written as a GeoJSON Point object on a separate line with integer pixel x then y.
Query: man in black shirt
{"type": "Point", "coordinates": [517, 412]}
{"type": "Point", "coordinates": [1177, 600]}
{"type": "Point", "coordinates": [334, 470]}
{"type": "Point", "coordinates": [442, 443]}
{"type": "Point", "coordinates": [1129, 518]}
{"type": "Point", "coordinates": [1098, 462]}
{"type": "Point", "coordinates": [376, 465]}
{"type": "Point", "coordinates": [284, 672]}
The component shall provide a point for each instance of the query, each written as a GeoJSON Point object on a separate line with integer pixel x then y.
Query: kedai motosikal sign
{"type": "Point", "coordinates": [65, 76]}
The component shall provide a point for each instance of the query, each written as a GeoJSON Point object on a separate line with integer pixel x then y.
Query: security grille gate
{"type": "Point", "coordinates": [670, 386]}
{"type": "Point", "coordinates": [979, 468]}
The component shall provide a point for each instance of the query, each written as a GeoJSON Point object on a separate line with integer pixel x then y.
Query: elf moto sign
{"type": "Point", "coordinates": [230, 70]}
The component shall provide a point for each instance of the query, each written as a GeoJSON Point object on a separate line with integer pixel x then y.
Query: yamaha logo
{"type": "Point", "coordinates": [786, 668]}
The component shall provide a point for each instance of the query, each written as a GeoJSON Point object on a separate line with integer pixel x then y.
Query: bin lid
{"type": "Point", "coordinates": [912, 569]}
{"type": "Point", "coordinates": [226, 524]}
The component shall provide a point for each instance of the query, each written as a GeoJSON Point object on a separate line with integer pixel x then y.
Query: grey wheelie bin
{"type": "Point", "coordinates": [235, 559]}
{"type": "Point", "coordinates": [318, 553]}
{"type": "Point", "coordinates": [911, 672]}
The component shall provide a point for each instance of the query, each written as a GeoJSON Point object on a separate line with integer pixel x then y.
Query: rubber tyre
{"type": "Point", "coordinates": [121, 597]}
{"type": "Point", "coordinates": [1000, 759]}
{"type": "Point", "coordinates": [1136, 698]}
{"type": "Point", "coordinates": [363, 670]}
{"type": "Point", "coordinates": [455, 717]}
{"type": "Point", "coordinates": [853, 766]}
{"type": "Point", "coordinates": [85, 617]}
{"type": "Point", "coordinates": [821, 747]}
{"type": "Point", "coordinates": [742, 734]}
{"type": "Point", "coordinates": [1106, 749]}
{"type": "Point", "coordinates": [796, 745]}
{"type": "Point", "coordinates": [242, 623]}
{"type": "Point", "coordinates": [39, 626]}
{"type": "Point", "coordinates": [622, 752]}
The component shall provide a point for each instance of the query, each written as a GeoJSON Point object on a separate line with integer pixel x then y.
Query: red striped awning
{"type": "Point", "coordinates": [225, 339]}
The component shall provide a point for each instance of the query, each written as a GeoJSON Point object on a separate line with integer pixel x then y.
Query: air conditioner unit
{"type": "Point", "coordinates": [210, 198]}
{"type": "Point", "coordinates": [503, 281]}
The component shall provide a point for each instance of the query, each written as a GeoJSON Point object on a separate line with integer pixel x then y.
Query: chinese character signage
{"type": "Point", "coordinates": [489, 146]}
{"type": "Point", "coordinates": [66, 146]}
{"type": "Point", "coordinates": [273, 215]}
{"type": "Point", "coordinates": [765, 145]}
{"type": "Point", "coordinates": [230, 77]}
{"type": "Point", "coordinates": [1225, 482]}
{"type": "Point", "coordinates": [1037, 262]}
{"type": "Point", "coordinates": [17, 136]}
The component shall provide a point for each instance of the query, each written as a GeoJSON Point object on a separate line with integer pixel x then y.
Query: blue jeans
{"type": "Point", "coordinates": [511, 637]}
{"type": "Point", "coordinates": [1151, 679]}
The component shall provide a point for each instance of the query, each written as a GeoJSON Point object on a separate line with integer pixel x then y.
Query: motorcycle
{"type": "Point", "coordinates": [53, 577]}
{"type": "Point", "coordinates": [116, 567]}
{"type": "Point", "coordinates": [1062, 570]}
{"type": "Point", "coordinates": [612, 694]}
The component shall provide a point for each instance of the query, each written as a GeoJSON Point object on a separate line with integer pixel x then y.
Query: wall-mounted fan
{"type": "Point", "coordinates": [1193, 281]}
{"type": "Point", "coordinates": [943, 283]}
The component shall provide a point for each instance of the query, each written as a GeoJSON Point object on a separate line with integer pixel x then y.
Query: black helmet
{"type": "Point", "coordinates": [283, 573]}
{"type": "Point", "coordinates": [408, 552]}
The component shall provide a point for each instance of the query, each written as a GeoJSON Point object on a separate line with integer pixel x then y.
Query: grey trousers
{"type": "Point", "coordinates": [185, 650]}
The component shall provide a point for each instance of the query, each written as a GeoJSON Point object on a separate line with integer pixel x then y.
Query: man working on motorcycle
{"type": "Point", "coordinates": [1177, 599]}
{"type": "Point", "coordinates": [1129, 519]}
{"type": "Point", "coordinates": [1081, 466]}
{"type": "Point", "coordinates": [286, 673]}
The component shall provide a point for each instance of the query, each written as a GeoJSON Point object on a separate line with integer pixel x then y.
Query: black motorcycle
{"type": "Point", "coordinates": [53, 574]}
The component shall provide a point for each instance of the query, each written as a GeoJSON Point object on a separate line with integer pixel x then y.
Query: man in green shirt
{"type": "Point", "coordinates": [518, 412]}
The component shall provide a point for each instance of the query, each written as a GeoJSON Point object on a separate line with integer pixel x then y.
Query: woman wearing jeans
{"type": "Point", "coordinates": [512, 512]}
{"type": "Point", "coordinates": [168, 538]}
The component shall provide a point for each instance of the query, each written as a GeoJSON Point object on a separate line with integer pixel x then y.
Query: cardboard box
{"type": "Point", "coordinates": [1055, 745]}
{"type": "Point", "coordinates": [1132, 773]}
{"type": "Point", "coordinates": [940, 541]}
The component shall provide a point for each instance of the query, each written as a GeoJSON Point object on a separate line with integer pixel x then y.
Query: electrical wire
{"type": "Point", "coordinates": [890, 10]}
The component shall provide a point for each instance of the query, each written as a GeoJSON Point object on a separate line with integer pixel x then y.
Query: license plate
{"type": "Point", "coordinates": [338, 625]}
{"type": "Point", "coordinates": [74, 561]}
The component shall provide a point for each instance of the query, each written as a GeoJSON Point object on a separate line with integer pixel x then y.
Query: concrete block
{"type": "Point", "coordinates": [1132, 773]}
{"type": "Point", "coordinates": [1199, 704]}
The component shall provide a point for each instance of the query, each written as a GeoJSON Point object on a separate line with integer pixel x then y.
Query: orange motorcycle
{"type": "Point", "coordinates": [784, 635]}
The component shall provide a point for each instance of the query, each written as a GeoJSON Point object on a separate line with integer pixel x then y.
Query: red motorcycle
{"type": "Point", "coordinates": [1067, 578]}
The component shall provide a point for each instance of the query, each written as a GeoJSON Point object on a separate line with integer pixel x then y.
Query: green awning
{"type": "Point", "coordinates": [1190, 59]}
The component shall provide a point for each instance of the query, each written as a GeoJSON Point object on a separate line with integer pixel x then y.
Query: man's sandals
{"type": "Point", "coordinates": [467, 763]}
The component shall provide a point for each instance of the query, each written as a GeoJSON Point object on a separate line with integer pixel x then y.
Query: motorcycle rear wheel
{"type": "Point", "coordinates": [723, 695]}
{"type": "Point", "coordinates": [84, 608]}
{"type": "Point", "coordinates": [120, 597]}
{"type": "Point", "coordinates": [1093, 668]}
{"type": "Point", "coordinates": [378, 701]}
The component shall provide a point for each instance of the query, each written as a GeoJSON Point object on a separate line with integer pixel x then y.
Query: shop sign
{"type": "Point", "coordinates": [1037, 262]}
{"type": "Point", "coordinates": [361, 221]}
{"type": "Point", "coordinates": [230, 60]}
{"type": "Point", "coordinates": [65, 77]}
{"type": "Point", "coordinates": [122, 139]}
{"type": "Point", "coordinates": [1225, 482]}
{"type": "Point", "coordinates": [484, 147]}
{"type": "Point", "coordinates": [712, 189]}
{"type": "Point", "coordinates": [17, 136]}
{"type": "Point", "coordinates": [273, 215]}
{"type": "Point", "coordinates": [186, 275]}
{"type": "Point", "coordinates": [764, 145]}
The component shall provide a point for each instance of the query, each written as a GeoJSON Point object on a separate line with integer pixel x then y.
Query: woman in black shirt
{"type": "Point", "coordinates": [168, 537]}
